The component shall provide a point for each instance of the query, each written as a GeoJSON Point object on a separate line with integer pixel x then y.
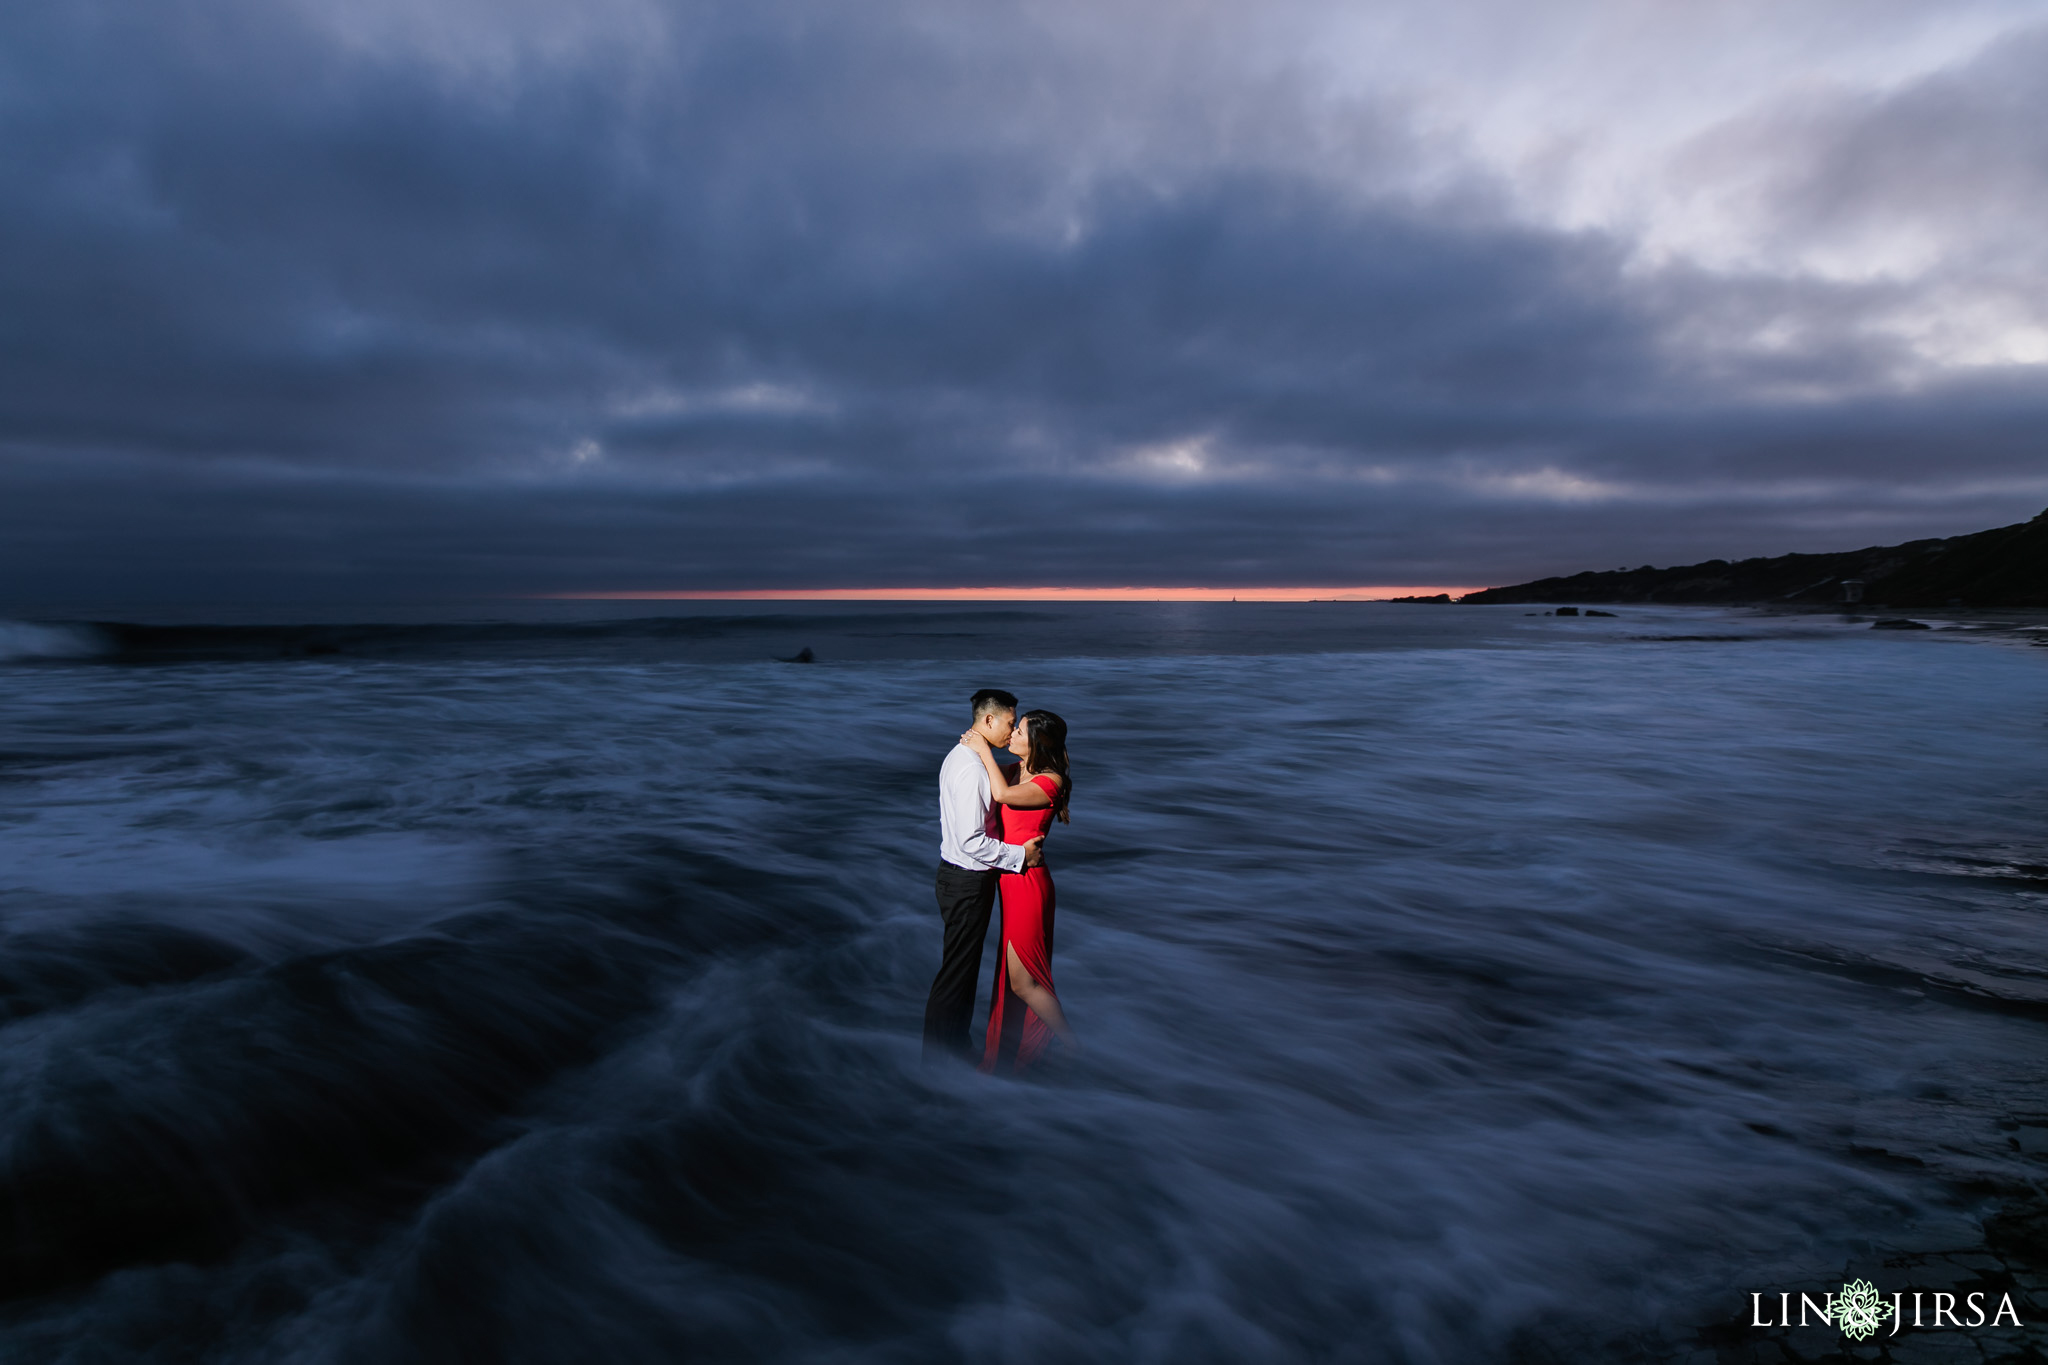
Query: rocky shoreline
{"type": "Point", "coordinates": [2002, 568]}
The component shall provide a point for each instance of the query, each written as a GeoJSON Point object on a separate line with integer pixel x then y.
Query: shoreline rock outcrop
{"type": "Point", "coordinates": [2004, 567]}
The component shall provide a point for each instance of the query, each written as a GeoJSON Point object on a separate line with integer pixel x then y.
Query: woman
{"type": "Point", "coordinates": [1025, 1015]}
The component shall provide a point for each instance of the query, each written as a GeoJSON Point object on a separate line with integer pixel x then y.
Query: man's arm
{"type": "Point", "coordinates": [960, 795]}
{"type": "Point", "coordinates": [1020, 794]}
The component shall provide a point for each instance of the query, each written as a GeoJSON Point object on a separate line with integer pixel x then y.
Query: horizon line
{"type": "Point", "coordinates": [1364, 593]}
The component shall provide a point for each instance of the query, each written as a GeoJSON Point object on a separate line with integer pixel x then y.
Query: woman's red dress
{"type": "Point", "coordinates": [1016, 1035]}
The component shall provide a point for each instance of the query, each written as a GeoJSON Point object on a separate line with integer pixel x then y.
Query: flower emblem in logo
{"type": "Point", "coordinates": [1859, 1309]}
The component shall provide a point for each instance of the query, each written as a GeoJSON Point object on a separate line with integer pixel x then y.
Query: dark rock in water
{"type": "Point", "coordinates": [802, 656]}
{"type": "Point", "coordinates": [1591, 612]}
{"type": "Point", "coordinates": [1899, 623]}
{"type": "Point", "coordinates": [1567, 611]}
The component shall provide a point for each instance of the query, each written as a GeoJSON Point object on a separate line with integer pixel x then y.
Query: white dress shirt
{"type": "Point", "coordinates": [970, 830]}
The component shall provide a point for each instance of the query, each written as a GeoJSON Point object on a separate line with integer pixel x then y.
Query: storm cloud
{"type": "Point", "coordinates": [309, 298]}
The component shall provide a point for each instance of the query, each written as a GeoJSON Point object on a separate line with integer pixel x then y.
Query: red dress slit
{"type": "Point", "coordinates": [1016, 1035]}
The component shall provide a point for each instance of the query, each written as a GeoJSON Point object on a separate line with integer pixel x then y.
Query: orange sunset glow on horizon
{"type": "Point", "coordinates": [1011, 594]}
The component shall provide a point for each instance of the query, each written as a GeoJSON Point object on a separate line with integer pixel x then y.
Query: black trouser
{"type": "Point", "coordinates": [965, 899]}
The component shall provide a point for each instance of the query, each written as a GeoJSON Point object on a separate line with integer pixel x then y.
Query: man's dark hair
{"type": "Point", "coordinates": [992, 699]}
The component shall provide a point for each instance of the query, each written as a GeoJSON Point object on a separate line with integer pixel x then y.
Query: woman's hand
{"type": "Point", "coordinates": [974, 740]}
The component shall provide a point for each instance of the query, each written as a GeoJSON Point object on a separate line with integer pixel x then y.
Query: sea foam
{"type": "Point", "coordinates": [29, 640]}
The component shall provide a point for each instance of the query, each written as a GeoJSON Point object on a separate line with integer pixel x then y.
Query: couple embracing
{"type": "Point", "coordinates": [992, 822]}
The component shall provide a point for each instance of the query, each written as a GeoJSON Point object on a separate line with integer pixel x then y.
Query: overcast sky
{"type": "Point", "coordinates": [388, 297]}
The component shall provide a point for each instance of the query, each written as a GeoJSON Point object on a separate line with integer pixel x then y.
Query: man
{"type": "Point", "coordinates": [972, 855]}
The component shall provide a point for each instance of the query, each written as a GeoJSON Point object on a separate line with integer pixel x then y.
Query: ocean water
{"type": "Point", "coordinates": [1456, 986]}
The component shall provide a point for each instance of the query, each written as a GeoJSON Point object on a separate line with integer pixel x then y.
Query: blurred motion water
{"type": "Point", "coordinates": [1457, 985]}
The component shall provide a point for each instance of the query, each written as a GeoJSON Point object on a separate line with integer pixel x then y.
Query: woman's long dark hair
{"type": "Point", "coordinates": [1045, 738]}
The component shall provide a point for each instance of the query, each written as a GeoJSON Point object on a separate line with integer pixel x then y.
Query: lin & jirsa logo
{"type": "Point", "coordinates": [1859, 1310]}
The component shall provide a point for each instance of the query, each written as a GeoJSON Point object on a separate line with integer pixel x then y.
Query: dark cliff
{"type": "Point", "coordinates": [2007, 567]}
